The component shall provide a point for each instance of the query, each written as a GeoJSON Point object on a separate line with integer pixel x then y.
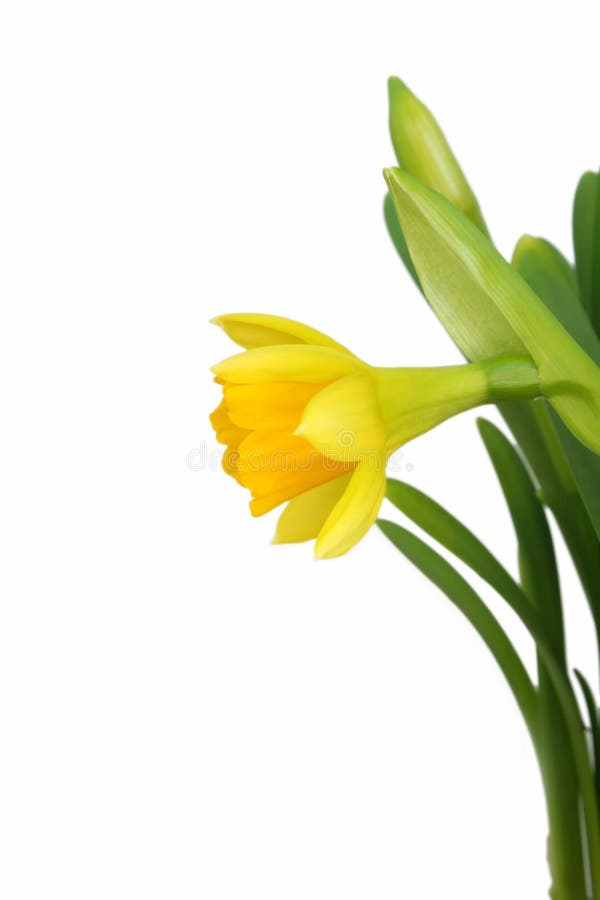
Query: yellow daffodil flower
{"type": "Point", "coordinates": [307, 422]}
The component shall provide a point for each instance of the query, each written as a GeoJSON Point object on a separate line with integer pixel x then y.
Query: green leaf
{"type": "Point", "coordinates": [448, 531]}
{"type": "Point", "coordinates": [539, 576]}
{"type": "Point", "coordinates": [560, 778]}
{"type": "Point", "coordinates": [536, 432]}
{"type": "Point", "coordinates": [553, 292]}
{"type": "Point", "coordinates": [584, 228]}
{"type": "Point", "coordinates": [488, 309]}
{"type": "Point", "coordinates": [553, 287]}
{"type": "Point", "coordinates": [442, 574]}
{"type": "Point", "coordinates": [536, 549]}
{"type": "Point", "coordinates": [595, 312]}
{"type": "Point", "coordinates": [594, 718]}
{"type": "Point", "coordinates": [586, 469]}
{"type": "Point", "coordinates": [544, 256]}
{"type": "Point", "coordinates": [397, 236]}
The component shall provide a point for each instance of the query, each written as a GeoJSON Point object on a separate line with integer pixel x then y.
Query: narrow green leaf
{"type": "Point", "coordinates": [594, 718]}
{"type": "Point", "coordinates": [584, 218]}
{"type": "Point", "coordinates": [586, 470]}
{"type": "Point", "coordinates": [539, 576]}
{"type": "Point", "coordinates": [584, 464]}
{"type": "Point", "coordinates": [541, 254]}
{"type": "Point", "coordinates": [457, 589]}
{"type": "Point", "coordinates": [442, 574]}
{"type": "Point", "coordinates": [552, 286]}
{"type": "Point", "coordinates": [450, 532]}
{"type": "Point", "coordinates": [447, 530]}
{"type": "Point", "coordinates": [560, 777]}
{"type": "Point", "coordinates": [536, 429]}
{"type": "Point", "coordinates": [536, 549]}
{"type": "Point", "coordinates": [595, 312]}
{"type": "Point", "coordinates": [397, 236]}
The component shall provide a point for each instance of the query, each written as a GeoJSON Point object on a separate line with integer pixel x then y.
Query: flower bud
{"type": "Point", "coordinates": [422, 149]}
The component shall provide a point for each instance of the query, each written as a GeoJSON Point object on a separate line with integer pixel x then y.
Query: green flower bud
{"type": "Point", "coordinates": [422, 149]}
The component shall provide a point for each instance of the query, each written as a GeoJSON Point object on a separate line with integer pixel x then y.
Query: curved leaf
{"type": "Point", "coordinates": [584, 464]}
{"type": "Point", "coordinates": [544, 256]}
{"type": "Point", "coordinates": [594, 717]}
{"type": "Point", "coordinates": [442, 574]}
{"type": "Point", "coordinates": [457, 589]}
{"type": "Point", "coordinates": [536, 549]}
{"type": "Point", "coordinates": [450, 532]}
{"type": "Point", "coordinates": [584, 226]}
{"type": "Point", "coordinates": [539, 576]}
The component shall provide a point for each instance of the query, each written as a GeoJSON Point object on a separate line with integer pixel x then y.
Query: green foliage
{"type": "Point", "coordinates": [586, 240]}
{"type": "Point", "coordinates": [539, 578]}
{"type": "Point", "coordinates": [542, 306]}
{"type": "Point", "coordinates": [594, 719]}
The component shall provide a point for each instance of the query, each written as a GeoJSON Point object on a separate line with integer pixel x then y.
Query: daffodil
{"type": "Point", "coordinates": [307, 422]}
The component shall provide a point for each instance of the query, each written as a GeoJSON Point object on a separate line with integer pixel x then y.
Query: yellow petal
{"type": "Point", "coordinates": [304, 516]}
{"type": "Point", "coordinates": [226, 431]}
{"type": "Point", "coordinates": [277, 466]}
{"type": "Point", "coordinates": [251, 330]}
{"type": "Point", "coordinates": [231, 464]}
{"type": "Point", "coordinates": [343, 420]}
{"type": "Point", "coordinates": [275, 406]}
{"type": "Point", "coordinates": [354, 514]}
{"type": "Point", "coordinates": [290, 362]}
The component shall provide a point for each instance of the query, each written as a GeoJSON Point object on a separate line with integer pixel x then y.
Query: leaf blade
{"type": "Point", "coordinates": [536, 548]}
{"type": "Point", "coordinates": [585, 465]}
{"type": "Point", "coordinates": [457, 589]}
{"type": "Point", "coordinates": [444, 576]}
{"type": "Point", "coordinates": [539, 578]}
{"type": "Point", "coordinates": [594, 717]}
{"type": "Point", "coordinates": [584, 215]}
{"type": "Point", "coordinates": [452, 534]}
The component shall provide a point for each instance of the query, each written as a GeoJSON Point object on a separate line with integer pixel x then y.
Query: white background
{"type": "Point", "coordinates": [185, 711]}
